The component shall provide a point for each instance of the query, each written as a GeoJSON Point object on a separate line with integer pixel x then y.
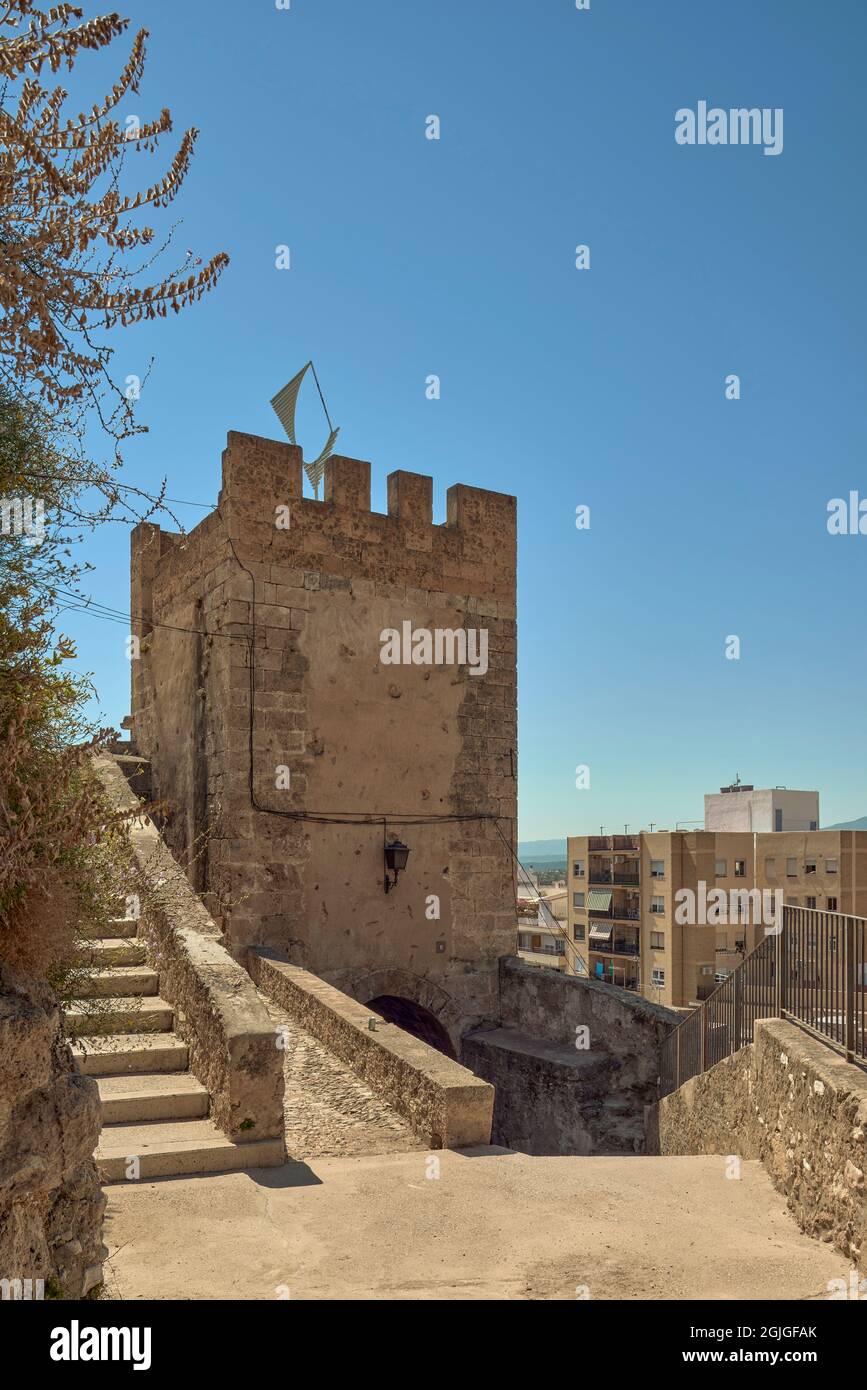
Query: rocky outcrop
{"type": "Point", "coordinates": [51, 1204]}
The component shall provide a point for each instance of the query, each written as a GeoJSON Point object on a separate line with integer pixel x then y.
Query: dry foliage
{"type": "Point", "coordinates": [74, 256]}
{"type": "Point", "coordinates": [77, 259]}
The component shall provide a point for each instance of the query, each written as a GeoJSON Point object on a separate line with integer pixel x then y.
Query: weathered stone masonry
{"type": "Point", "coordinates": [358, 736]}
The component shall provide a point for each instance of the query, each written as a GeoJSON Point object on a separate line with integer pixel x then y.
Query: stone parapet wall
{"type": "Point", "coordinates": [792, 1102]}
{"type": "Point", "coordinates": [233, 1045]}
{"type": "Point", "coordinates": [444, 1104]}
{"type": "Point", "coordinates": [548, 1004]}
{"type": "Point", "coordinates": [574, 1063]}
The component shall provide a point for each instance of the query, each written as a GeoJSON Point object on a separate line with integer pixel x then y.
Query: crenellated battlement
{"type": "Point", "coordinates": [264, 520]}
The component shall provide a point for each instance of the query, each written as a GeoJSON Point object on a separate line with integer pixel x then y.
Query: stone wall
{"type": "Point", "coordinates": [553, 1097]}
{"type": "Point", "coordinates": [232, 1042]}
{"type": "Point", "coordinates": [293, 604]}
{"type": "Point", "coordinates": [796, 1105]}
{"type": "Point", "coordinates": [51, 1205]}
{"type": "Point", "coordinates": [445, 1105]}
{"type": "Point", "coordinates": [550, 1005]}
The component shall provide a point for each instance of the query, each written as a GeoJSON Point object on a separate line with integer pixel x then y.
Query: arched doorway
{"type": "Point", "coordinates": [415, 1019]}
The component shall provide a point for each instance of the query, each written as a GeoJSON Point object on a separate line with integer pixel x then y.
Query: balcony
{"type": "Point", "coordinates": [596, 875]}
{"type": "Point", "coordinates": [617, 948]}
{"type": "Point", "coordinates": [612, 940]}
{"type": "Point", "coordinates": [616, 915]}
{"type": "Point", "coordinates": [620, 878]}
{"type": "Point", "coordinates": [608, 844]}
{"type": "Point", "coordinates": [607, 970]}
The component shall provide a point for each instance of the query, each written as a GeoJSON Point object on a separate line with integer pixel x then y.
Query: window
{"type": "Point", "coordinates": [813, 825]}
{"type": "Point", "coordinates": [830, 866]}
{"type": "Point", "coordinates": [657, 977]}
{"type": "Point", "coordinates": [778, 819]}
{"type": "Point", "coordinates": [657, 904]}
{"type": "Point", "coordinates": [811, 902]}
{"type": "Point", "coordinates": [810, 866]}
{"type": "Point", "coordinates": [720, 868]}
{"type": "Point", "coordinates": [578, 900]}
{"type": "Point", "coordinates": [523, 941]}
{"type": "Point", "coordinates": [657, 941]}
{"type": "Point", "coordinates": [740, 868]}
{"type": "Point", "coordinates": [791, 868]}
{"type": "Point", "coordinates": [657, 868]}
{"type": "Point", "coordinates": [559, 947]}
{"type": "Point", "coordinates": [578, 868]}
{"type": "Point", "coordinates": [832, 904]}
{"type": "Point", "coordinates": [578, 932]}
{"type": "Point", "coordinates": [770, 868]}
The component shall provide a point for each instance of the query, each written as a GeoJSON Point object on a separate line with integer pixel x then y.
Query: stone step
{"type": "Point", "coordinates": [87, 1019]}
{"type": "Point", "coordinates": [176, 1148]}
{"type": "Point", "coordinates": [130, 1054]}
{"type": "Point", "coordinates": [114, 950]}
{"type": "Point", "coordinates": [119, 982]}
{"type": "Point", "coordinates": [151, 1096]}
{"type": "Point", "coordinates": [116, 926]}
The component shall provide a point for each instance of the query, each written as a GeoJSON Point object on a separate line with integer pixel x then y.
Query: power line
{"type": "Point", "coordinates": [109, 483]}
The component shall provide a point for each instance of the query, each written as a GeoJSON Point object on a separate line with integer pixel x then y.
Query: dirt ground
{"type": "Point", "coordinates": [492, 1225]}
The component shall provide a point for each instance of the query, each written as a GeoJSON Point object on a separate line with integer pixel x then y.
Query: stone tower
{"type": "Point", "coordinates": [289, 752]}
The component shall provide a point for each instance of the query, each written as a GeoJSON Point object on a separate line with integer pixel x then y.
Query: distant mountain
{"type": "Point", "coordinates": [848, 825]}
{"type": "Point", "coordinates": [542, 849]}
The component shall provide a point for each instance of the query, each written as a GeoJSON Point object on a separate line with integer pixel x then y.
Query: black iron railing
{"type": "Point", "coordinates": [813, 972]}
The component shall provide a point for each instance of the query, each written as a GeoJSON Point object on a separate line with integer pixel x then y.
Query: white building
{"type": "Point", "coordinates": [741, 807]}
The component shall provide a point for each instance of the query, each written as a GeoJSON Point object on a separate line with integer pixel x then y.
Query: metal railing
{"type": "Point", "coordinates": [617, 948]}
{"type": "Point", "coordinates": [813, 973]}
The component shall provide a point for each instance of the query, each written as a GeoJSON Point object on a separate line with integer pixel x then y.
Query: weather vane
{"type": "Point", "coordinates": [284, 404]}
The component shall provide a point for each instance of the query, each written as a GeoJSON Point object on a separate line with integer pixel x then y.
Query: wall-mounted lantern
{"type": "Point", "coordinates": [396, 855]}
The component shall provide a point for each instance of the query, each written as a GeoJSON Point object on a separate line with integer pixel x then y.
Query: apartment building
{"type": "Point", "coordinates": [632, 923]}
{"type": "Point", "coordinates": [542, 931]}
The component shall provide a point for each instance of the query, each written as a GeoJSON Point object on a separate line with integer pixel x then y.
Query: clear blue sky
{"type": "Point", "coordinates": [603, 387]}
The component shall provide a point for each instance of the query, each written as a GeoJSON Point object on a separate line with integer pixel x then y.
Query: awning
{"type": "Point", "coordinates": [599, 899]}
{"type": "Point", "coordinates": [601, 931]}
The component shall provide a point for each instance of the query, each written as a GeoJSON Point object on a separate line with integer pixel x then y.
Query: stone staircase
{"type": "Point", "coordinates": [154, 1110]}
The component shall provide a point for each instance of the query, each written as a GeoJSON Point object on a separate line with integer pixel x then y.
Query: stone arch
{"type": "Point", "coordinates": [414, 1019]}
{"type": "Point", "coordinates": [404, 985]}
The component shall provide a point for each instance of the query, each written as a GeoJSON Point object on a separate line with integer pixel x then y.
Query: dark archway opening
{"type": "Point", "coordinates": [414, 1019]}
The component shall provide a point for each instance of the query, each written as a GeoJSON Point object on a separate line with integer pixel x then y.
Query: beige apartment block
{"type": "Point", "coordinates": [623, 903]}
